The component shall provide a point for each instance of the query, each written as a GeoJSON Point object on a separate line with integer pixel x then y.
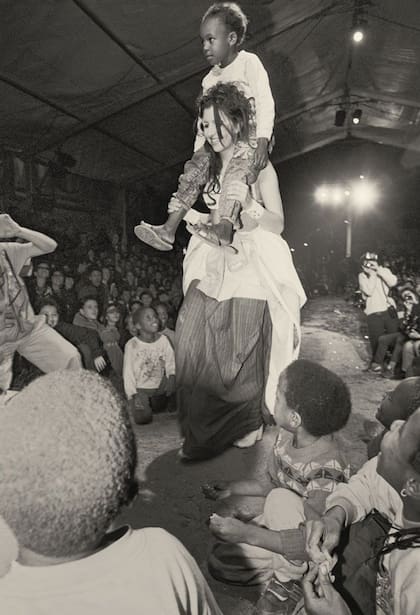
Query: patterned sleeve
{"type": "Point", "coordinates": [323, 479]}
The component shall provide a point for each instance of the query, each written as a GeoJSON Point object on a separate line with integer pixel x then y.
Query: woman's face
{"type": "Point", "coordinates": [209, 128]}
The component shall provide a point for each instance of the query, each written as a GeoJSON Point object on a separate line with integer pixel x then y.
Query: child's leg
{"type": "Point", "coordinates": [142, 410]}
{"type": "Point", "coordinates": [190, 183]}
{"type": "Point", "coordinates": [243, 564]}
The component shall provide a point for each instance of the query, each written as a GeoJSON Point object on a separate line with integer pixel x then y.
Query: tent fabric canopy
{"type": "Point", "coordinates": [114, 84]}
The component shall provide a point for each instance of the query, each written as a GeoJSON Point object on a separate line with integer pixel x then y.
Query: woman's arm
{"type": "Point", "coordinates": [271, 216]}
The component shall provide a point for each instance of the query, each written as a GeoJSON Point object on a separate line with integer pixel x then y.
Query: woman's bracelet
{"type": "Point", "coordinates": [255, 211]}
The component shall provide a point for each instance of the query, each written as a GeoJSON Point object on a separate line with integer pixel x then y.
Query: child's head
{"type": "Point", "coordinates": [49, 308]}
{"type": "Point", "coordinates": [135, 304]}
{"type": "Point", "coordinates": [223, 29]}
{"type": "Point", "coordinates": [162, 312]}
{"type": "Point", "coordinates": [126, 294]}
{"type": "Point", "coordinates": [112, 314]}
{"type": "Point", "coordinates": [68, 282]}
{"type": "Point", "coordinates": [57, 279]}
{"type": "Point", "coordinates": [68, 460]}
{"type": "Point", "coordinates": [400, 403]}
{"type": "Point", "coordinates": [89, 308]}
{"type": "Point", "coordinates": [312, 397]}
{"type": "Point", "coordinates": [146, 298]}
{"type": "Point", "coordinates": [146, 320]}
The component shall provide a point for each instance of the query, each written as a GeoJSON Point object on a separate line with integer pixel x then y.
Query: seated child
{"type": "Point", "coordinates": [149, 366]}
{"type": "Point", "coordinates": [397, 405]}
{"type": "Point", "coordinates": [87, 341]}
{"type": "Point", "coordinates": [163, 315]}
{"type": "Point", "coordinates": [305, 466]}
{"type": "Point", "coordinates": [68, 463]}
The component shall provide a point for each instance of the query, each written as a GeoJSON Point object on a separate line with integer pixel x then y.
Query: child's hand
{"type": "Point", "coordinates": [228, 529]}
{"type": "Point", "coordinates": [319, 594]}
{"type": "Point", "coordinates": [218, 490]}
{"type": "Point", "coordinates": [100, 363]}
{"type": "Point", "coordinates": [261, 154]}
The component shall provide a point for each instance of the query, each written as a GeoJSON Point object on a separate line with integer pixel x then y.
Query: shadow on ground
{"type": "Point", "coordinates": [170, 496]}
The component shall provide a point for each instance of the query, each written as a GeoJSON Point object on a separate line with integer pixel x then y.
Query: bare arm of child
{"type": "Point", "coordinates": [218, 490]}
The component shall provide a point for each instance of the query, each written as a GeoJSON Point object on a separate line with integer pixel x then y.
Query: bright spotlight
{"type": "Point", "coordinates": [322, 195]}
{"type": "Point", "coordinates": [358, 36]}
{"type": "Point", "coordinates": [306, 244]}
{"type": "Point", "coordinates": [364, 195]}
{"type": "Point", "coordinates": [337, 195]}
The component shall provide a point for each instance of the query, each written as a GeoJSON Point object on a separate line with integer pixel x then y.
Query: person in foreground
{"type": "Point", "coordinates": [389, 483]}
{"type": "Point", "coordinates": [305, 467]}
{"type": "Point", "coordinates": [239, 325]}
{"type": "Point", "coordinates": [68, 461]}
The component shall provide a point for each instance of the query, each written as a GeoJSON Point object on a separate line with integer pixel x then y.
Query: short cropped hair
{"type": "Point", "coordinates": [231, 15]}
{"type": "Point", "coordinates": [68, 460]}
{"type": "Point", "coordinates": [320, 397]}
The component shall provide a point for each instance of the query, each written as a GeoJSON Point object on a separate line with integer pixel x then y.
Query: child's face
{"type": "Point", "coordinates": [162, 315]}
{"type": "Point", "coordinates": [90, 309]}
{"type": "Point", "coordinates": [68, 283]}
{"type": "Point", "coordinates": [147, 300]}
{"type": "Point", "coordinates": [148, 322]}
{"type": "Point", "coordinates": [395, 405]}
{"type": "Point", "coordinates": [126, 295]}
{"type": "Point", "coordinates": [215, 40]}
{"type": "Point", "coordinates": [281, 409]}
{"type": "Point", "coordinates": [51, 314]}
{"type": "Point", "coordinates": [112, 316]}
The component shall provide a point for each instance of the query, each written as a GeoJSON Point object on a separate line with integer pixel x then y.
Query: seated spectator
{"type": "Point", "coordinates": [149, 367]}
{"type": "Point", "coordinates": [37, 286]}
{"type": "Point", "coordinates": [163, 315]}
{"type": "Point", "coordinates": [95, 288]}
{"type": "Point", "coordinates": [305, 466]}
{"type": "Point", "coordinates": [381, 574]}
{"type": "Point", "coordinates": [409, 322]}
{"type": "Point", "coordinates": [110, 337]}
{"type": "Point", "coordinates": [397, 405]}
{"type": "Point", "coordinates": [62, 486]}
{"type": "Point", "coordinates": [146, 298]}
{"type": "Point", "coordinates": [86, 341]}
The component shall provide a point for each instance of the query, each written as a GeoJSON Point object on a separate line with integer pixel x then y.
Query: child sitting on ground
{"type": "Point", "coordinates": [223, 30]}
{"type": "Point", "coordinates": [305, 466]}
{"type": "Point", "coordinates": [397, 405]}
{"type": "Point", "coordinates": [68, 462]}
{"type": "Point", "coordinates": [149, 367]}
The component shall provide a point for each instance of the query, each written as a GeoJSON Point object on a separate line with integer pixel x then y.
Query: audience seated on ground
{"type": "Point", "coordinates": [68, 462]}
{"type": "Point", "coordinates": [305, 466]}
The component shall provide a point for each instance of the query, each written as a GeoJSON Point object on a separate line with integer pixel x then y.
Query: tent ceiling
{"type": "Point", "coordinates": [114, 83]}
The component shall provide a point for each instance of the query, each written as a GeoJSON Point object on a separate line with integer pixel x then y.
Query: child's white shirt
{"type": "Point", "coordinates": [247, 72]}
{"type": "Point", "coordinates": [146, 363]}
{"type": "Point", "coordinates": [145, 572]}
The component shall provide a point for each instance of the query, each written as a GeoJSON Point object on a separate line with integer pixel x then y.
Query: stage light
{"type": "Point", "coordinates": [356, 116]}
{"type": "Point", "coordinates": [337, 195]}
{"type": "Point", "coordinates": [340, 117]}
{"type": "Point", "coordinates": [362, 176]}
{"type": "Point", "coordinates": [364, 195]}
{"type": "Point", "coordinates": [322, 195]}
{"type": "Point", "coordinates": [306, 244]}
{"type": "Point", "coordinates": [358, 35]}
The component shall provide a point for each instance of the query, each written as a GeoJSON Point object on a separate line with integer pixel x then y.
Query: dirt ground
{"type": "Point", "coordinates": [170, 496]}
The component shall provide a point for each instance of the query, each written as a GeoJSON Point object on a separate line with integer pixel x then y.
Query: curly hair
{"type": "Point", "coordinates": [320, 397]}
{"type": "Point", "coordinates": [231, 15]}
{"type": "Point", "coordinates": [68, 460]}
{"type": "Point", "coordinates": [224, 98]}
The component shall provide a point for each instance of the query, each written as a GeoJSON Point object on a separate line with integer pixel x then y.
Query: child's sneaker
{"type": "Point", "coordinates": [279, 598]}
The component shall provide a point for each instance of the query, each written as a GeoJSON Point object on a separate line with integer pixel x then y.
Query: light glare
{"type": "Point", "coordinates": [322, 195]}
{"type": "Point", "coordinates": [364, 195]}
{"type": "Point", "coordinates": [358, 36]}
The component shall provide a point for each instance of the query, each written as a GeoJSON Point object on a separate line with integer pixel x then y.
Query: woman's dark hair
{"type": "Point", "coordinates": [231, 15]}
{"type": "Point", "coordinates": [225, 98]}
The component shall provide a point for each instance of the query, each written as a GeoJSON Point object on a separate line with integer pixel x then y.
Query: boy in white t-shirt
{"type": "Point", "coordinates": [223, 30]}
{"type": "Point", "coordinates": [149, 366]}
{"type": "Point", "coordinates": [68, 462]}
